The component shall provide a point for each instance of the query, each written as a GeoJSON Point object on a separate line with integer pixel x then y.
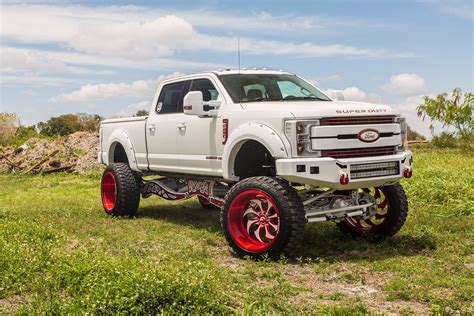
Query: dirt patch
{"type": "Point", "coordinates": [331, 286]}
{"type": "Point", "coordinates": [334, 288]}
{"type": "Point", "coordinates": [9, 305]}
{"type": "Point", "coordinates": [74, 153]}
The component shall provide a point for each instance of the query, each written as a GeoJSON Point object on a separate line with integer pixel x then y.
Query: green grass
{"type": "Point", "coordinates": [60, 253]}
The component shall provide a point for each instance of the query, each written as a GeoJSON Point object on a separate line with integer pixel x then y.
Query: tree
{"type": "Point", "coordinates": [69, 123]}
{"type": "Point", "coordinates": [9, 123]}
{"type": "Point", "coordinates": [451, 113]}
{"type": "Point", "coordinates": [89, 122]}
{"type": "Point", "coordinates": [414, 135]}
{"type": "Point", "coordinates": [61, 125]}
{"type": "Point", "coordinates": [141, 113]}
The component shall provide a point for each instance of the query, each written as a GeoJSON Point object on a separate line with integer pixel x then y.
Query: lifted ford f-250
{"type": "Point", "coordinates": [269, 149]}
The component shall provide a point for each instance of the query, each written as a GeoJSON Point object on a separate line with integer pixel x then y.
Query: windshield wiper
{"type": "Point", "coordinates": [304, 98]}
{"type": "Point", "coordinates": [260, 99]}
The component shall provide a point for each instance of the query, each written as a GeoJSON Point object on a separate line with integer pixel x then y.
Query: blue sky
{"type": "Point", "coordinates": [107, 57]}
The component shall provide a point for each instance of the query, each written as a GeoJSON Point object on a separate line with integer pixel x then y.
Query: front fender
{"type": "Point", "coordinates": [261, 133]}
{"type": "Point", "coordinates": [121, 137]}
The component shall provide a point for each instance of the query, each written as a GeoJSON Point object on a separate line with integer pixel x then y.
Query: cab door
{"type": "Point", "coordinates": [199, 138]}
{"type": "Point", "coordinates": [161, 130]}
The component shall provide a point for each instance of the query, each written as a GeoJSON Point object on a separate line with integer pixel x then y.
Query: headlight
{"type": "Point", "coordinates": [299, 136]}
{"type": "Point", "coordinates": [403, 133]}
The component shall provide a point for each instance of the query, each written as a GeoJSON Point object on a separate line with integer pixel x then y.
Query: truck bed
{"type": "Point", "coordinates": [129, 129]}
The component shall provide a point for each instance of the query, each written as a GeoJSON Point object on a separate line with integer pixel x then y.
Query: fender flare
{"type": "Point", "coordinates": [258, 132]}
{"type": "Point", "coordinates": [121, 137]}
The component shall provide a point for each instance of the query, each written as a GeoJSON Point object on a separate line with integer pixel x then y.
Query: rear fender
{"type": "Point", "coordinates": [121, 137]}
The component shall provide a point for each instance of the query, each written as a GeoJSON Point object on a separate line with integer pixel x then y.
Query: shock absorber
{"type": "Point", "coordinates": [269, 165]}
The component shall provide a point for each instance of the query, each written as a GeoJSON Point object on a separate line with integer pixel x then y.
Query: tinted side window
{"type": "Point", "coordinates": [209, 92]}
{"type": "Point", "coordinates": [171, 98]}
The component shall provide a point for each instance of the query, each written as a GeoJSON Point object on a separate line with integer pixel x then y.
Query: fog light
{"type": "Point", "coordinates": [300, 168]}
{"type": "Point", "coordinates": [407, 173]}
{"type": "Point", "coordinates": [344, 178]}
{"type": "Point", "coordinates": [300, 148]}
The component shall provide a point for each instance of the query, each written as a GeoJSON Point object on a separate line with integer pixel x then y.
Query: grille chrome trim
{"type": "Point", "coordinates": [359, 152]}
{"type": "Point", "coordinates": [358, 120]}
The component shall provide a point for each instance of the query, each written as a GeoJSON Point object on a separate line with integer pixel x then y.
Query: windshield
{"type": "Point", "coordinates": [269, 87]}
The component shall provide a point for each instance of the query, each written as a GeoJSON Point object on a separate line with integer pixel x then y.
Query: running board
{"type": "Point", "coordinates": [202, 188]}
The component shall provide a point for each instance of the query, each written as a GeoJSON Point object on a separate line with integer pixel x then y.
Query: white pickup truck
{"type": "Point", "coordinates": [269, 149]}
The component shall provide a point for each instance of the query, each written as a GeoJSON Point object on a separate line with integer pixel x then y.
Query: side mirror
{"type": "Point", "coordinates": [193, 104]}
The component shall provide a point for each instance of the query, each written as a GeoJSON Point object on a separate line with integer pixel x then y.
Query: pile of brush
{"type": "Point", "coordinates": [73, 153]}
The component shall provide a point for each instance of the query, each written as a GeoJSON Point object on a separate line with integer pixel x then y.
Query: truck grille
{"type": "Point", "coordinates": [358, 120]}
{"type": "Point", "coordinates": [373, 170]}
{"type": "Point", "coordinates": [359, 152]}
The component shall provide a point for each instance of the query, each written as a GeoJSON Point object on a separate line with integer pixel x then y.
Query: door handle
{"type": "Point", "coordinates": [151, 127]}
{"type": "Point", "coordinates": [181, 126]}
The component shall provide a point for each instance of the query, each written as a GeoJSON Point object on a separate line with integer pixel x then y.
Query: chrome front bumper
{"type": "Point", "coordinates": [327, 172]}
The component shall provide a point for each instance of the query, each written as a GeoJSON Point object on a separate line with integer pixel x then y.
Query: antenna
{"type": "Point", "coordinates": [238, 58]}
{"type": "Point", "coordinates": [238, 51]}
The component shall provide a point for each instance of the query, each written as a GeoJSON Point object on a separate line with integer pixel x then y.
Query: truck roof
{"type": "Point", "coordinates": [229, 71]}
{"type": "Point", "coordinates": [250, 71]}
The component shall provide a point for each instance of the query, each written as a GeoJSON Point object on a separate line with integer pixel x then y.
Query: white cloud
{"type": "Point", "coordinates": [133, 33]}
{"type": "Point", "coordinates": [406, 85]}
{"type": "Point", "coordinates": [333, 78]}
{"type": "Point", "coordinates": [131, 109]}
{"type": "Point", "coordinates": [458, 8]}
{"type": "Point", "coordinates": [95, 92]}
{"type": "Point", "coordinates": [266, 22]}
{"type": "Point", "coordinates": [36, 81]}
{"type": "Point", "coordinates": [357, 94]}
{"type": "Point", "coordinates": [407, 108]}
{"type": "Point", "coordinates": [463, 11]}
{"type": "Point", "coordinates": [34, 61]}
{"type": "Point", "coordinates": [15, 60]}
{"type": "Point", "coordinates": [103, 91]}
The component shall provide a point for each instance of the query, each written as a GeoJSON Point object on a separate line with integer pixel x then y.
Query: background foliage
{"type": "Point", "coordinates": [8, 125]}
{"type": "Point", "coordinates": [454, 112]}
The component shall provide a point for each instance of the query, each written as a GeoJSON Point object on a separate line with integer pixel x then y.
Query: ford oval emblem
{"type": "Point", "coordinates": [368, 135]}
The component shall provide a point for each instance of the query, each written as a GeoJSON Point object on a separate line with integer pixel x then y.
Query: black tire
{"type": "Point", "coordinates": [127, 185]}
{"type": "Point", "coordinates": [291, 219]}
{"type": "Point", "coordinates": [396, 214]}
{"type": "Point", "coordinates": [206, 204]}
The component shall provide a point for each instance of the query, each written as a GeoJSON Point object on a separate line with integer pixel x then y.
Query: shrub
{"type": "Point", "coordinates": [141, 113]}
{"type": "Point", "coordinates": [8, 125]}
{"type": "Point", "coordinates": [23, 133]}
{"type": "Point", "coordinates": [444, 140]}
{"type": "Point", "coordinates": [69, 123]}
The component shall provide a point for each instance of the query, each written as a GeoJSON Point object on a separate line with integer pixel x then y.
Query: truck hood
{"type": "Point", "coordinates": [303, 109]}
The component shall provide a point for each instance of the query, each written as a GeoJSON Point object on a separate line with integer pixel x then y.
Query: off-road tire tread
{"type": "Point", "coordinates": [392, 224]}
{"type": "Point", "coordinates": [128, 189]}
{"type": "Point", "coordinates": [292, 208]}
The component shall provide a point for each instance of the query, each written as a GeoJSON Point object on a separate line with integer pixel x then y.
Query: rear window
{"type": "Point", "coordinates": [171, 98]}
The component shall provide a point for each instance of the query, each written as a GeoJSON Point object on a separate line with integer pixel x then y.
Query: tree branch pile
{"type": "Point", "coordinates": [74, 153]}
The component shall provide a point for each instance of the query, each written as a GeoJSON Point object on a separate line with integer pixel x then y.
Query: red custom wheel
{"type": "Point", "coordinates": [109, 191]}
{"type": "Point", "coordinates": [391, 213]}
{"type": "Point", "coordinates": [120, 190]}
{"type": "Point", "coordinates": [263, 215]}
{"type": "Point", "coordinates": [254, 220]}
{"type": "Point", "coordinates": [361, 225]}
